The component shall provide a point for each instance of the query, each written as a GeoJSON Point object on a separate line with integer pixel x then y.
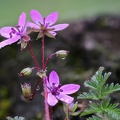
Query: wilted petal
{"type": "Point", "coordinates": [53, 78]}
{"type": "Point", "coordinates": [22, 21]}
{"type": "Point", "coordinates": [65, 98]}
{"type": "Point", "coordinates": [9, 41]}
{"type": "Point", "coordinates": [59, 27]}
{"type": "Point", "coordinates": [51, 100]}
{"type": "Point", "coordinates": [5, 31]}
{"type": "Point", "coordinates": [51, 18]}
{"type": "Point", "coordinates": [70, 88]}
{"type": "Point", "coordinates": [36, 17]}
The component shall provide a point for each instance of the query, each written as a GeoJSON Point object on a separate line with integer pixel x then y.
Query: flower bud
{"type": "Point", "coordinates": [62, 54]}
{"type": "Point", "coordinates": [26, 72]}
{"type": "Point", "coordinates": [26, 90]}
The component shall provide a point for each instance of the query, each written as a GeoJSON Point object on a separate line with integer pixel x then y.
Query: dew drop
{"type": "Point", "coordinates": [38, 87]}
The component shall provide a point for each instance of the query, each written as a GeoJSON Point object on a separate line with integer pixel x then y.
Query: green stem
{"type": "Point", "coordinates": [67, 115]}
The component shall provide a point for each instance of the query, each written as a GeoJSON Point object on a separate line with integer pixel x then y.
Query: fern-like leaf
{"type": "Point", "coordinates": [107, 89]}
{"type": "Point", "coordinates": [94, 118]}
{"type": "Point", "coordinates": [91, 95]}
{"type": "Point", "coordinates": [15, 118]}
{"type": "Point", "coordinates": [93, 108]}
{"type": "Point", "coordinates": [98, 80]}
{"type": "Point", "coordinates": [112, 111]}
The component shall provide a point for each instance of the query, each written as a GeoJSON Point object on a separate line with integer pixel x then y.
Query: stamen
{"type": "Point", "coordinates": [17, 26]}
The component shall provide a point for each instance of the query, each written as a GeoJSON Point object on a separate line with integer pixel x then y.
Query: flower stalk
{"type": "Point", "coordinates": [33, 56]}
{"type": "Point", "coordinates": [47, 114]}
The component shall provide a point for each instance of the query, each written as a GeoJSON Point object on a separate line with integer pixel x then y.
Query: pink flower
{"type": "Point", "coordinates": [58, 92]}
{"type": "Point", "coordinates": [13, 34]}
{"type": "Point", "coordinates": [44, 25]}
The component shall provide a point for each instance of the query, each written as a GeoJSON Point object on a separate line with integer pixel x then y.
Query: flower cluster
{"type": "Point", "coordinates": [53, 90]}
{"type": "Point", "coordinates": [23, 28]}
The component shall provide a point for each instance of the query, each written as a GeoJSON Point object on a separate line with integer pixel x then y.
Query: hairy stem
{"type": "Point", "coordinates": [43, 54]}
{"type": "Point", "coordinates": [37, 67]}
{"type": "Point", "coordinates": [47, 115]}
{"type": "Point", "coordinates": [51, 113]}
{"type": "Point", "coordinates": [47, 60]}
{"type": "Point", "coordinates": [67, 116]}
{"type": "Point", "coordinates": [35, 89]}
{"type": "Point", "coordinates": [33, 56]}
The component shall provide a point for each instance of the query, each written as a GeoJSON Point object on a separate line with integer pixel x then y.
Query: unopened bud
{"type": "Point", "coordinates": [26, 90]}
{"type": "Point", "coordinates": [62, 54]}
{"type": "Point", "coordinates": [26, 72]}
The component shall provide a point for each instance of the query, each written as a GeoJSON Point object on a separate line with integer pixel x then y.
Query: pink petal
{"type": "Point", "coordinates": [51, 100]}
{"type": "Point", "coordinates": [65, 98]}
{"type": "Point", "coordinates": [9, 41]}
{"type": "Point", "coordinates": [59, 27]}
{"type": "Point", "coordinates": [51, 18]}
{"type": "Point", "coordinates": [5, 31]}
{"type": "Point", "coordinates": [36, 17]}
{"type": "Point", "coordinates": [32, 25]}
{"type": "Point", "coordinates": [22, 20]}
{"type": "Point", "coordinates": [53, 78]}
{"type": "Point", "coordinates": [47, 84]}
{"type": "Point", "coordinates": [70, 88]}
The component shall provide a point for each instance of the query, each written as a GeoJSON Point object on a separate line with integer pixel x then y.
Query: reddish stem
{"type": "Point", "coordinates": [51, 113]}
{"type": "Point", "coordinates": [38, 81]}
{"type": "Point", "coordinates": [33, 56]}
{"type": "Point", "coordinates": [47, 60]}
{"type": "Point", "coordinates": [37, 67]}
{"type": "Point", "coordinates": [43, 54]}
{"type": "Point", "coordinates": [47, 115]}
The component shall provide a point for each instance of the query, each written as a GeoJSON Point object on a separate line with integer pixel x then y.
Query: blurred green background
{"type": "Point", "coordinates": [68, 9]}
{"type": "Point", "coordinates": [82, 61]}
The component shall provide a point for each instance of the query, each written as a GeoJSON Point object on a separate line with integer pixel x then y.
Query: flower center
{"type": "Point", "coordinates": [14, 31]}
{"type": "Point", "coordinates": [56, 90]}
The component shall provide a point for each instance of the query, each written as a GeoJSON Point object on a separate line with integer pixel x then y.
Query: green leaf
{"type": "Point", "coordinates": [112, 111]}
{"type": "Point", "coordinates": [74, 107]}
{"type": "Point", "coordinates": [105, 103]}
{"type": "Point", "coordinates": [94, 118]}
{"type": "Point", "coordinates": [93, 108]}
{"type": "Point", "coordinates": [98, 80]}
{"type": "Point", "coordinates": [15, 118]}
{"type": "Point", "coordinates": [9, 118]}
{"type": "Point", "coordinates": [107, 89]}
{"type": "Point", "coordinates": [75, 113]}
{"type": "Point", "coordinates": [91, 95]}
